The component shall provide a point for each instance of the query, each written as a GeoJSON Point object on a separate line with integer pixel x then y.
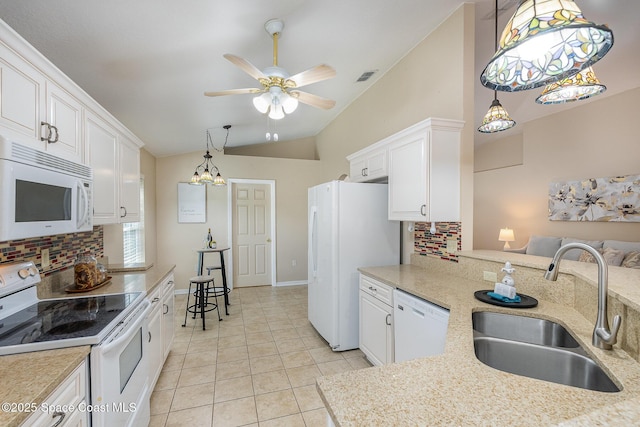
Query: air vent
{"type": "Point", "coordinates": [27, 155]}
{"type": "Point", "coordinates": [366, 76]}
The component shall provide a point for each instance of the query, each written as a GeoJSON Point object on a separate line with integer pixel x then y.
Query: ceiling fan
{"type": "Point", "coordinates": [279, 94]}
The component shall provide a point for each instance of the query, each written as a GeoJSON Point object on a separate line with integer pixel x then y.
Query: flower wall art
{"type": "Point", "coordinates": [614, 198]}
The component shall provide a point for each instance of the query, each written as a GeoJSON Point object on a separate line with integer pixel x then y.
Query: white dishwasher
{"type": "Point", "coordinates": [420, 327]}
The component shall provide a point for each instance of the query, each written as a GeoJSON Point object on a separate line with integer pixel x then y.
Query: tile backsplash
{"type": "Point", "coordinates": [428, 244]}
{"type": "Point", "coordinates": [63, 249]}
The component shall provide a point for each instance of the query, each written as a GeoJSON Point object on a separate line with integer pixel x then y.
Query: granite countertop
{"type": "Point", "coordinates": [32, 377]}
{"type": "Point", "coordinates": [121, 281]}
{"type": "Point", "coordinates": [455, 388]}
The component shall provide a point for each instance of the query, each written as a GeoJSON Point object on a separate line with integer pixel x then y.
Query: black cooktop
{"type": "Point", "coordinates": [63, 319]}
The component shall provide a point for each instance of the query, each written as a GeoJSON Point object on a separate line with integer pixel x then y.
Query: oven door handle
{"type": "Point", "coordinates": [141, 316]}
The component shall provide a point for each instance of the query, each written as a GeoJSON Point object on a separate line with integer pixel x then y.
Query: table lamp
{"type": "Point", "coordinates": [506, 236]}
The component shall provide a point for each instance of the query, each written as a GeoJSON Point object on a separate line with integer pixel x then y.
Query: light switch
{"type": "Point", "coordinates": [452, 245]}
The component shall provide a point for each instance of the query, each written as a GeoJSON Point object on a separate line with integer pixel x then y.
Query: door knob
{"type": "Point", "coordinates": [268, 240]}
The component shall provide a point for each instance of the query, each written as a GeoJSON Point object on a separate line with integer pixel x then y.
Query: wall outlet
{"type": "Point", "coordinates": [452, 245]}
{"type": "Point", "coordinates": [294, 263]}
{"type": "Point", "coordinates": [44, 258]}
{"type": "Point", "coordinates": [490, 276]}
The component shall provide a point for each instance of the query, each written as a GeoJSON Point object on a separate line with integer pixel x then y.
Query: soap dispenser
{"type": "Point", "coordinates": [507, 287]}
{"type": "Point", "coordinates": [507, 279]}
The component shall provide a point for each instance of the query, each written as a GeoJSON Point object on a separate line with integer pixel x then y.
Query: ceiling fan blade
{"type": "Point", "coordinates": [313, 100]}
{"type": "Point", "coordinates": [313, 75]}
{"type": "Point", "coordinates": [245, 66]}
{"type": "Point", "coordinates": [233, 92]}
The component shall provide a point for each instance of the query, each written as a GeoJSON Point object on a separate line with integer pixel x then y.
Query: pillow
{"type": "Point", "coordinates": [543, 245]}
{"type": "Point", "coordinates": [611, 256]}
{"type": "Point", "coordinates": [624, 246]}
{"type": "Point", "coordinates": [631, 260]}
{"type": "Point", "coordinates": [574, 254]}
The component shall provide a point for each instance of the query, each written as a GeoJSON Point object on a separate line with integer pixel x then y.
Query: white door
{"type": "Point", "coordinates": [251, 231]}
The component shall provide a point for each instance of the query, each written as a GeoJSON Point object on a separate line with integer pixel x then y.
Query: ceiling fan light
{"type": "Point", "coordinates": [262, 102]}
{"type": "Point", "coordinates": [545, 41]}
{"type": "Point", "coordinates": [276, 112]}
{"type": "Point", "coordinates": [497, 119]}
{"type": "Point", "coordinates": [581, 85]}
{"type": "Point", "coordinates": [289, 103]}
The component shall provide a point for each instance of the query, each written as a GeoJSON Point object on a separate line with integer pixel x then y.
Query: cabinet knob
{"type": "Point", "coordinates": [388, 319]}
{"type": "Point", "coordinates": [166, 307]}
{"type": "Point", "coordinates": [423, 210]}
{"type": "Point", "coordinates": [122, 208]}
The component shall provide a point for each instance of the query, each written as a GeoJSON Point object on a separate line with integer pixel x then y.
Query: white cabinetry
{"type": "Point", "coordinates": [116, 172]}
{"type": "Point", "coordinates": [168, 314]}
{"type": "Point", "coordinates": [156, 352]}
{"type": "Point", "coordinates": [64, 114]}
{"type": "Point", "coordinates": [35, 111]}
{"type": "Point", "coordinates": [161, 326]}
{"type": "Point", "coordinates": [22, 89]}
{"type": "Point", "coordinates": [424, 172]}
{"type": "Point", "coordinates": [72, 393]}
{"type": "Point", "coordinates": [376, 321]}
{"type": "Point", "coordinates": [369, 164]}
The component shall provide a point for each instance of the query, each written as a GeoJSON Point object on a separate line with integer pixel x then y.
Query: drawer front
{"type": "Point", "coordinates": [377, 289]}
{"type": "Point", "coordinates": [72, 391]}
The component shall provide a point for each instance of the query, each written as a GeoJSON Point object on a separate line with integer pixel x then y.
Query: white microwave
{"type": "Point", "coordinates": [42, 194]}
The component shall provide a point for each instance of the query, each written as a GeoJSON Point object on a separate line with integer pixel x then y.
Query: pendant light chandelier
{"type": "Point", "coordinates": [497, 119]}
{"type": "Point", "coordinates": [206, 176]}
{"type": "Point", "coordinates": [581, 85]}
{"type": "Point", "coordinates": [543, 42]}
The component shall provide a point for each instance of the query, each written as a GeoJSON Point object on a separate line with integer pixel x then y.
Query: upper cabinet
{"type": "Point", "coordinates": [41, 107]}
{"type": "Point", "coordinates": [37, 112]}
{"type": "Point", "coordinates": [63, 124]}
{"type": "Point", "coordinates": [422, 166]}
{"type": "Point", "coordinates": [116, 172]}
{"type": "Point", "coordinates": [369, 164]}
{"type": "Point", "coordinates": [424, 172]}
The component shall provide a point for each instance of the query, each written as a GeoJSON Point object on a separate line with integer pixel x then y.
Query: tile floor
{"type": "Point", "coordinates": [256, 368]}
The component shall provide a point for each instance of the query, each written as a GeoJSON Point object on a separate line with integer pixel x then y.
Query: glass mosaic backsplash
{"type": "Point", "coordinates": [428, 244]}
{"type": "Point", "coordinates": [63, 249]}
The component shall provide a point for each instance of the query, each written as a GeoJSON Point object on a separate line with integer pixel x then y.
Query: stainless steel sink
{"type": "Point", "coordinates": [536, 348]}
{"type": "Point", "coordinates": [521, 328]}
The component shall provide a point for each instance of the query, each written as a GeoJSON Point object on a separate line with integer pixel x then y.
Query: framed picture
{"type": "Point", "coordinates": [192, 203]}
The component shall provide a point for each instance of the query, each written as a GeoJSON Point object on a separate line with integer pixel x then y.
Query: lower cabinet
{"type": "Point", "coordinates": [161, 327]}
{"type": "Point", "coordinates": [156, 351]}
{"type": "Point", "coordinates": [376, 321]}
{"type": "Point", "coordinates": [168, 314]}
{"type": "Point", "coordinates": [64, 403]}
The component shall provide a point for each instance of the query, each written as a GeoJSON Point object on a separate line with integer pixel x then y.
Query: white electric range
{"type": "Point", "coordinates": [113, 324]}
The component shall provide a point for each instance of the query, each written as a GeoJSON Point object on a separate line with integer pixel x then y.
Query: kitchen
{"type": "Point", "coordinates": [354, 129]}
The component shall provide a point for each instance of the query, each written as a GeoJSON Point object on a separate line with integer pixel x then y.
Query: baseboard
{"type": "Point", "coordinates": [292, 283]}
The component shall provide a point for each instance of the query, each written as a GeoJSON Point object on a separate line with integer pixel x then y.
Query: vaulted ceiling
{"type": "Point", "coordinates": [150, 62]}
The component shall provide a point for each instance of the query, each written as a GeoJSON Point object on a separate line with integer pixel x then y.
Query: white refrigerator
{"type": "Point", "coordinates": [348, 228]}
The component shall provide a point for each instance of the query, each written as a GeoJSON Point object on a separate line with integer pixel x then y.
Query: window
{"type": "Point", "coordinates": [133, 235]}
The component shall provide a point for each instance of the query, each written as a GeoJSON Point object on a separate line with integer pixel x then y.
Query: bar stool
{"type": "Point", "coordinates": [201, 304]}
{"type": "Point", "coordinates": [218, 291]}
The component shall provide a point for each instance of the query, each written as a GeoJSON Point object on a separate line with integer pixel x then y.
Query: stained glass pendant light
{"type": "Point", "coordinates": [581, 85]}
{"type": "Point", "coordinates": [497, 118]}
{"type": "Point", "coordinates": [545, 41]}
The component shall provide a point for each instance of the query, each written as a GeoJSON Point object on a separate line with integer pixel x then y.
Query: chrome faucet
{"type": "Point", "coordinates": [602, 337]}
